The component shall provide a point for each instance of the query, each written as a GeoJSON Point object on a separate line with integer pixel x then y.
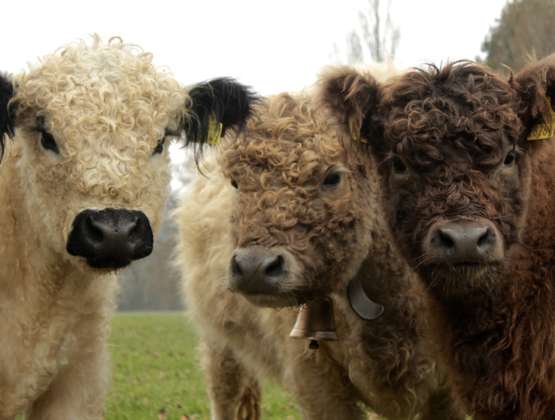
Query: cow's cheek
{"type": "Point", "coordinates": [155, 188]}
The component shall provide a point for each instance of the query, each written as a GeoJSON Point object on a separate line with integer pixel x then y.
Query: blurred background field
{"type": "Point", "coordinates": [156, 374]}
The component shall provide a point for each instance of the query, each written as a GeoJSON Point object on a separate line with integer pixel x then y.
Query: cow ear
{"type": "Point", "coordinates": [353, 98]}
{"type": "Point", "coordinates": [216, 106]}
{"type": "Point", "coordinates": [535, 85]}
{"type": "Point", "coordinates": [6, 114]}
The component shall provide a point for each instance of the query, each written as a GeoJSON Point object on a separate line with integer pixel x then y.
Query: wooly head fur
{"type": "Point", "coordinates": [91, 123]}
{"type": "Point", "coordinates": [456, 167]}
{"type": "Point", "coordinates": [302, 209]}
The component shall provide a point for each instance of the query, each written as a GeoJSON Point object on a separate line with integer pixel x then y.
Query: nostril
{"type": "Point", "coordinates": [235, 267]}
{"type": "Point", "coordinates": [486, 239]}
{"type": "Point", "coordinates": [93, 230]}
{"type": "Point", "coordinates": [445, 239]}
{"type": "Point", "coordinates": [135, 227]}
{"type": "Point", "coordinates": [275, 267]}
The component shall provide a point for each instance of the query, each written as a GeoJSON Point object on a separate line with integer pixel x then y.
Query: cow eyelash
{"type": "Point", "coordinates": [47, 140]}
{"type": "Point", "coordinates": [398, 165]}
{"type": "Point", "coordinates": [333, 177]}
{"type": "Point", "coordinates": [510, 158]}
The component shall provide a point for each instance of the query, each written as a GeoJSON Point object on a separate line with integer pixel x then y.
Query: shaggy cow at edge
{"type": "Point", "coordinates": [468, 179]}
{"type": "Point", "coordinates": [82, 189]}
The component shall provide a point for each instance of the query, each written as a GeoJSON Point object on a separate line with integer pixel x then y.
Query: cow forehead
{"type": "Point", "coordinates": [470, 117]}
{"type": "Point", "coordinates": [103, 85]}
{"type": "Point", "coordinates": [285, 135]}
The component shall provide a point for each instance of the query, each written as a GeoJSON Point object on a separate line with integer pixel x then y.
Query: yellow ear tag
{"type": "Point", "coordinates": [214, 132]}
{"type": "Point", "coordinates": [544, 130]}
{"type": "Point", "coordinates": [354, 130]}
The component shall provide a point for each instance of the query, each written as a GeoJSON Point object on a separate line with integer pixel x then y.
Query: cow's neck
{"type": "Point", "coordinates": [498, 347]}
{"type": "Point", "coordinates": [384, 270]}
{"type": "Point", "coordinates": [467, 319]}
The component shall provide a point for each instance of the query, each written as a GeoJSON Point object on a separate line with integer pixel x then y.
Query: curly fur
{"type": "Point", "coordinates": [452, 128]}
{"type": "Point", "coordinates": [107, 107]}
{"type": "Point", "coordinates": [278, 164]}
{"type": "Point", "coordinates": [462, 102]}
{"type": "Point", "coordinates": [437, 121]}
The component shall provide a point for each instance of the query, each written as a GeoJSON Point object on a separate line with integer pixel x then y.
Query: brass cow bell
{"type": "Point", "coordinates": [316, 322]}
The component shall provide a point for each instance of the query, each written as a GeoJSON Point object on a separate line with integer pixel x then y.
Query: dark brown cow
{"type": "Point", "coordinates": [470, 200]}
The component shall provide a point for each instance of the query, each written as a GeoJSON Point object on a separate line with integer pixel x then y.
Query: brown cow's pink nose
{"type": "Point", "coordinates": [257, 270]}
{"type": "Point", "coordinates": [464, 242]}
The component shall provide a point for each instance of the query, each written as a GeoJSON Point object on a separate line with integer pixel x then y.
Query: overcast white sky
{"type": "Point", "coordinates": [272, 45]}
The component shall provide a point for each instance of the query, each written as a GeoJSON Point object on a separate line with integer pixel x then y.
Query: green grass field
{"type": "Point", "coordinates": [155, 368]}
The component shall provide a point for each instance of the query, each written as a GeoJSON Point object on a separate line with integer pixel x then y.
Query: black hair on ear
{"type": "Point", "coordinates": [222, 100]}
{"type": "Point", "coordinates": [6, 115]}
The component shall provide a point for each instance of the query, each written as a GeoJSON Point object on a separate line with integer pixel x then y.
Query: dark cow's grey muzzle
{"type": "Point", "coordinates": [464, 241]}
{"type": "Point", "coordinates": [110, 238]}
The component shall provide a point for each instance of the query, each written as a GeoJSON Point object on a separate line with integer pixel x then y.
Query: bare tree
{"type": "Point", "coordinates": [354, 52]}
{"type": "Point", "coordinates": [377, 37]}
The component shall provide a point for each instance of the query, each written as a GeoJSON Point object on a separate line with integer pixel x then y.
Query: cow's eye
{"type": "Point", "coordinates": [400, 215]}
{"type": "Point", "coordinates": [332, 179]}
{"type": "Point", "coordinates": [160, 146]}
{"type": "Point", "coordinates": [399, 167]}
{"type": "Point", "coordinates": [510, 159]}
{"type": "Point", "coordinates": [234, 184]}
{"type": "Point", "coordinates": [48, 142]}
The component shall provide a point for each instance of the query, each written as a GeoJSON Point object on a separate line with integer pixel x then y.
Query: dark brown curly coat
{"type": "Point", "coordinates": [446, 137]}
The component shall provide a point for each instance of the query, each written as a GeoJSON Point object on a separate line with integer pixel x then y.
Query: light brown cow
{"type": "Point", "coordinates": [288, 211]}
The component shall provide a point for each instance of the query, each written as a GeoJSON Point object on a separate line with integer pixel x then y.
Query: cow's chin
{"type": "Point", "coordinates": [452, 280]}
{"type": "Point", "coordinates": [92, 267]}
{"type": "Point", "coordinates": [271, 301]}
{"type": "Point", "coordinates": [279, 299]}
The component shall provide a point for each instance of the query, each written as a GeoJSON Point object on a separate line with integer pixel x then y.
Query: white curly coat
{"type": "Point", "coordinates": [107, 107]}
